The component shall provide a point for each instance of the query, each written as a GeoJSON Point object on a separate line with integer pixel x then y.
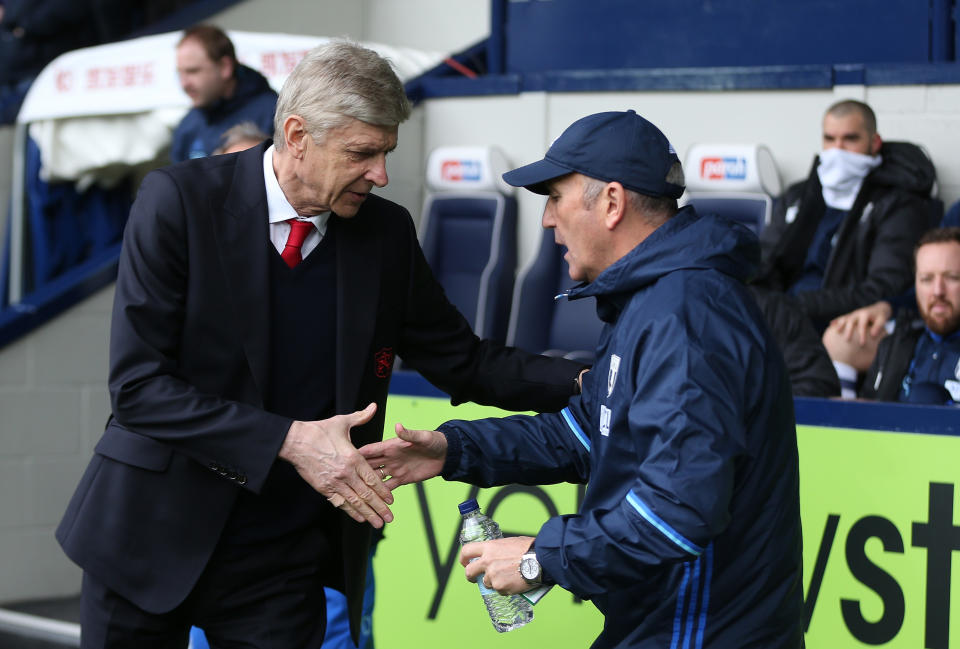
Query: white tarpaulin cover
{"type": "Point", "coordinates": [96, 111]}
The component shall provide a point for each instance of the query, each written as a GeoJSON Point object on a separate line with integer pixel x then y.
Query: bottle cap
{"type": "Point", "coordinates": [468, 506]}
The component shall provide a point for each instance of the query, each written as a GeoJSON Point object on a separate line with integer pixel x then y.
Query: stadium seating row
{"type": "Point", "coordinates": [468, 232]}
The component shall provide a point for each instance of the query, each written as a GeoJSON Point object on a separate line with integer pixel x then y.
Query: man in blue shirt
{"type": "Point", "coordinates": [921, 364]}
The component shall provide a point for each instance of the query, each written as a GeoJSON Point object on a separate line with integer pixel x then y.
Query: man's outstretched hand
{"type": "Point", "coordinates": [411, 456]}
{"type": "Point", "coordinates": [324, 456]}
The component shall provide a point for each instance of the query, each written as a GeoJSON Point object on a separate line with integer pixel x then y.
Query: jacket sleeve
{"type": "Point", "coordinates": [438, 342]}
{"type": "Point", "coordinates": [689, 414]}
{"type": "Point", "coordinates": [522, 449]}
{"type": "Point", "coordinates": [148, 393]}
{"type": "Point", "coordinates": [889, 267]}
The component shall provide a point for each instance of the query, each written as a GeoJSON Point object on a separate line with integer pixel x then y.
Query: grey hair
{"type": "Point", "coordinates": [655, 209]}
{"type": "Point", "coordinates": [242, 132]}
{"type": "Point", "coordinates": [337, 82]}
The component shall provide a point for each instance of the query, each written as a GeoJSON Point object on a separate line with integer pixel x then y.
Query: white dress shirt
{"type": "Point", "coordinates": [280, 211]}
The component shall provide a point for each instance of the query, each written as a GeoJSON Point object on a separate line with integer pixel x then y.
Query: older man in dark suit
{"type": "Point", "coordinates": [261, 299]}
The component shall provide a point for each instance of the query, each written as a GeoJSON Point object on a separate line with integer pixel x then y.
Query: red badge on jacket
{"type": "Point", "coordinates": [383, 362]}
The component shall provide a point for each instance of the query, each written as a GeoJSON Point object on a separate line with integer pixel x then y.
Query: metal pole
{"type": "Point", "coordinates": [33, 626]}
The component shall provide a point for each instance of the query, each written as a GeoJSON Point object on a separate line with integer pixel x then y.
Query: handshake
{"type": "Point", "coordinates": [360, 482]}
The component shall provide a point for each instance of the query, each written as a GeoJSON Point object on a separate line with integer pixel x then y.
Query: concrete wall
{"type": "Point", "coordinates": [54, 402]}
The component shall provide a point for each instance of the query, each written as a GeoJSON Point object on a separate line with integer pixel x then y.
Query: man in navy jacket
{"type": "Point", "coordinates": [261, 299]}
{"type": "Point", "coordinates": [689, 531]}
{"type": "Point", "coordinates": [224, 93]}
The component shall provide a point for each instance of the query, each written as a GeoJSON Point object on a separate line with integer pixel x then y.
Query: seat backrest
{"type": "Point", "coordinates": [737, 181]}
{"type": "Point", "coordinates": [541, 324]}
{"type": "Point", "coordinates": [468, 232]}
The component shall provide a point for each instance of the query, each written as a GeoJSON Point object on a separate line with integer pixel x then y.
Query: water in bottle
{"type": "Point", "coordinates": [507, 612]}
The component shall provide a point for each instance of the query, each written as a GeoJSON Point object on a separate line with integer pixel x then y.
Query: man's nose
{"type": "Point", "coordinates": [939, 286]}
{"type": "Point", "coordinates": [547, 220]}
{"type": "Point", "coordinates": [377, 173]}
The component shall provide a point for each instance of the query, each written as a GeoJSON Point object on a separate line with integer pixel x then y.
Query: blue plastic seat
{"type": "Point", "coordinates": [735, 181]}
{"type": "Point", "coordinates": [540, 323]}
{"type": "Point", "coordinates": [468, 232]}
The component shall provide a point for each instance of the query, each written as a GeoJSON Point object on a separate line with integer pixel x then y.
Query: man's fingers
{"type": "Point", "coordinates": [469, 552]}
{"type": "Point", "coordinates": [363, 507]}
{"type": "Point", "coordinates": [369, 492]}
{"type": "Point", "coordinates": [374, 482]}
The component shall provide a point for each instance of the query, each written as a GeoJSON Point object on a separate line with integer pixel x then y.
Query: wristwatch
{"type": "Point", "coordinates": [530, 569]}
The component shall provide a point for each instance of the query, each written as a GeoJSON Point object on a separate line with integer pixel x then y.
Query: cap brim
{"type": "Point", "coordinates": [533, 175]}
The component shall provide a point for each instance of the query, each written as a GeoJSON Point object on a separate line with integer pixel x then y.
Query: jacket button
{"type": "Point", "coordinates": [242, 479]}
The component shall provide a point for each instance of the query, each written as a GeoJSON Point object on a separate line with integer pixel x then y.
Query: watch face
{"type": "Point", "coordinates": [530, 568]}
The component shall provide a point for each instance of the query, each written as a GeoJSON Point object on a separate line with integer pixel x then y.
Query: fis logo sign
{"type": "Point", "coordinates": [461, 170]}
{"type": "Point", "coordinates": [723, 168]}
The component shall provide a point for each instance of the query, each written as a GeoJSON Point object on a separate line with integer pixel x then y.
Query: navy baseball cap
{"type": "Point", "coordinates": [613, 147]}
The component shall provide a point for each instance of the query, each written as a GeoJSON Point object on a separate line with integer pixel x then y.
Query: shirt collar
{"type": "Point", "coordinates": [278, 208]}
{"type": "Point", "coordinates": [937, 338]}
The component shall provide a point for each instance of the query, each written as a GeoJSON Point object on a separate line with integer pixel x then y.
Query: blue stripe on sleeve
{"type": "Point", "coordinates": [694, 599]}
{"type": "Point", "coordinates": [662, 526]}
{"type": "Point", "coordinates": [706, 597]}
{"type": "Point", "coordinates": [678, 614]}
{"type": "Point", "coordinates": [575, 427]}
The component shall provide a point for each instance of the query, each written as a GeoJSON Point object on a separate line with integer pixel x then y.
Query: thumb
{"type": "Point", "coordinates": [412, 436]}
{"type": "Point", "coordinates": [362, 416]}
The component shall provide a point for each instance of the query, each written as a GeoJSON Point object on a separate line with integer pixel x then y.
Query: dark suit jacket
{"type": "Point", "coordinates": [189, 362]}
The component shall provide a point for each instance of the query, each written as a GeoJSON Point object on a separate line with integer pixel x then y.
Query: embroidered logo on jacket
{"type": "Point", "coordinates": [605, 416]}
{"type": "Point", "coordinates": [383, 362]}
{"type": "Point", "coordinates": [612, 375]}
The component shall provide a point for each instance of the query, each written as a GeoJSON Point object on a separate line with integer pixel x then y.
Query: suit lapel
{"type": "Point", "coordinates": [358, 288]}
{"type": "Point", "coordinates": [242, 233]}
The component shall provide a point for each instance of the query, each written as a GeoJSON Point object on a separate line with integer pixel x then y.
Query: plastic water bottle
{"type": "Point", "coordinates": [507, 612]}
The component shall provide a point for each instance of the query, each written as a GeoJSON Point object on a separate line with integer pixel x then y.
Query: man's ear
{"type": "Point", "coordinates": [226, 68]}
{"type": "Point", "coordinates": [614, 198]}
{"type": "Point", "coordinates": [875, 143]}
{"type": "Point", "coordinates": [294, 136]}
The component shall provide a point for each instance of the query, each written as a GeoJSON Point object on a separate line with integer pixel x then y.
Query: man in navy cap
{"type": "Point", "coordinates": [689, 531]}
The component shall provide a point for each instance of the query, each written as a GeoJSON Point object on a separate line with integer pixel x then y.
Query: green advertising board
{"type": "Point", "coordinates": [879, 535]}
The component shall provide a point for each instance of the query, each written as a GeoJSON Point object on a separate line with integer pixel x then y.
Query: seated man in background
{"type": "Point", "coordinates": [917, 364]}
{"type": "Point", "coordinates": [852, 339]}
{"type": "Point", "coordinates": [842, 238]}
{"type": "Point", "coordinates": [223, 91]}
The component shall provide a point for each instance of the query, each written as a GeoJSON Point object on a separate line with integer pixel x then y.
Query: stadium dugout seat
{"type": "Point", "coordinates": [737, 181]}
{"type": "Point", "coordinates": [468, 232]}
{"type": "Point", "coordinates": [540, 323]}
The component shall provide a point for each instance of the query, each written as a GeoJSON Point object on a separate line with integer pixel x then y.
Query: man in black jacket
{"type": "Point", "coordinates": [261, 299]}
{"type": "Point", "coordinates": [842, 239]}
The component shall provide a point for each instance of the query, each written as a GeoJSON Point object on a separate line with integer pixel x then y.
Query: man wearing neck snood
{"type": "Point", "coordinates": [843, 238]}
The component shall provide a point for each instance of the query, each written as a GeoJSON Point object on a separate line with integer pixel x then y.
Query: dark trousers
{"type": "Point", "coordinates": [267, 596]}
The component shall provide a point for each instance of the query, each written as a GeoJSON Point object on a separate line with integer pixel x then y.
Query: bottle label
{"type": "Point", "coordinates": [483, 589]}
